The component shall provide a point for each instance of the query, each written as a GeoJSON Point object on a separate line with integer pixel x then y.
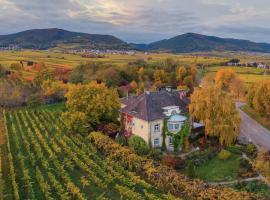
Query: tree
{"type": "Point", "coordinates": [160, 78]}
{"type": "Point", "coordinates": [250, 95]}
{"type": "Point", "coordinates": [261, 100]}
{"type": "Point", "coordinates": [91, 104]}
{"type": "Point", "coordinates": [43, 75]}
{"type": "Point", "coordinates": [236, 87]}
{"type": "Point", "coordinates": [133, 86]}
{"type": "Point", "coordinates": [54, 89]}
{"type": "Point", "coordinates": [138, 145]}
{"type": "Point", "coordinates": [217, 111]}
{"type": "Point", "coordinates": [181, 72]}
{"type": "Point", "coordinates": [224, 77]}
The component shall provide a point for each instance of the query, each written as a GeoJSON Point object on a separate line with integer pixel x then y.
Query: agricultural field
{"type": "Point", "coordinates": [40, 161]}
{"type": "Point", "coordinates": [53, 59]}
{"type": "Point", "coordinates": [247, 74]}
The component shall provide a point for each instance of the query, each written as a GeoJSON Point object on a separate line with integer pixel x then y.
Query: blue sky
{"type": "Point", "coordinates": [141, 20]}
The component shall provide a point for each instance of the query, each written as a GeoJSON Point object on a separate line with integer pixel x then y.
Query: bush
{"type": "Point", "coordinates": [138, 145]}
{"type": "Point", "coordinates": [191, 170]}
{"type": "Point", "coordinates": [121, 139]}
{"type": "Point", "coordinates": [251, 150]}
{"type": "Point", "coordinates": [224, 155]}
{"type": "Point", "coordinates": [155, 154]}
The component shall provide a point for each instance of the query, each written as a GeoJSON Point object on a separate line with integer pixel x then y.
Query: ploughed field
{"type": "Point", "coordinates": [40, 161]}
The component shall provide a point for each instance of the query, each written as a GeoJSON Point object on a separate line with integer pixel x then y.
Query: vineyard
{"type": "Point", "coordinates": [39, 161]}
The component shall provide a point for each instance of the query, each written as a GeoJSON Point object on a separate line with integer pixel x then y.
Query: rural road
{"type": "Point", "coordinates": [253, 131]}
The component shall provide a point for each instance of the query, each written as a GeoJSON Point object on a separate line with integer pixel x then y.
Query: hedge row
{"type": "Point", "coordinates": [161, 176]}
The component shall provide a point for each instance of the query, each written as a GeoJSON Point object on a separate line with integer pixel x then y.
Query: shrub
{"type": "Point", "coordinates": [191, 170]}
{"type": "Point", "coordinates": [138, 145]}
{"type": "Point", "coordinates": [251, 150]}
{"type": "Point", "coordinates": [224, 155]}
{"type": "Point", "coordinates": [121, 139]}
{"type": "Point", "coordinates": [155, 154]}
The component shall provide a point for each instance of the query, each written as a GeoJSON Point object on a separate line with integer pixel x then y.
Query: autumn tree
{"type": "Point", "coordinates": [43, 75]}
{"type": "Point", "coordinates": [218, 113]}
{"type": "Point", "coordinates": [237, 88]}
{"type": "Point", "coordinates": [261, 100]}
{"type": "Point", "coordinates": [224, 77]}
{"type": "Point", "coordinates": [133, 86]}
{"type": "Point", "coordinates": [90, 104]}
{"type": "Point", "coordinates": [54, 89]}
{"type": "Point", "coordinates": [160, 78]}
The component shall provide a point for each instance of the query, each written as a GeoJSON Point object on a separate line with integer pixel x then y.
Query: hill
{"type": "Point", "coordinates": [50, 38]}
{"type": "Point", "coordinates": [192, 42]}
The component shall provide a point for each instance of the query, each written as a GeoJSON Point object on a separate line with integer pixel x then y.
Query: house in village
{"type": "Point", "coordinates": [144, 115]}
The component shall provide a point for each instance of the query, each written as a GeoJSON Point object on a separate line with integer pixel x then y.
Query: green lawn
{"type": "Point", "coordinates": [253, 114]}
{"type": "Point", "coordinates": [217, 170]}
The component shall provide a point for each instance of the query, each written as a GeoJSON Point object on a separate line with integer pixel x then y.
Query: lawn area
{"type": "Point", "coordinates": [217, 170]}
{"type": "Point", "coordinates": [254, 115]}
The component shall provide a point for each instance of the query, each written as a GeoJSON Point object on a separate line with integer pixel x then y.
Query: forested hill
{"type": "Point", "coordinates": [49, 38]}
{"type": "Point", "coordinates": [192, 42]}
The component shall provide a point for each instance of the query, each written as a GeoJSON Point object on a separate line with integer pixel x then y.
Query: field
{"type": "Point", "coordinates": [247, 74]}
{"type": "Point", "coordinates": [40, 161]}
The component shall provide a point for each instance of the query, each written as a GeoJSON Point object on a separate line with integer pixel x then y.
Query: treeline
{"type": "Point", "coordinates": [138, 76]}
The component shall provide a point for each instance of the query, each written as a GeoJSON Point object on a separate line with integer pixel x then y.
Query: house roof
{"type": "Point", "coordinates": [148, 106]}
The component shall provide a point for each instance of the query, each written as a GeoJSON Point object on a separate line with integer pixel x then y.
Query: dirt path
{"type": "Point", "coordinates": [237, 181]}
{"type": "Point", "coordinates": [252, 131]}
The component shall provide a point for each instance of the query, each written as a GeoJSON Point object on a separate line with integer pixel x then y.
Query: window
{"type": "Point", "coordinates": [170, 141]}
{"type": "Point", "coordinates": [133, 124]}
{"type": "Point", "coordinates": [157, 128]}
{"type": "Point", "coordinates": [176, 126]}
{"type": "Point", "coordinates": [141, 126]}
{"type": "Point", "coordinates": [170, 126]}
{"type": "Point", "coordinates": [156, 142]}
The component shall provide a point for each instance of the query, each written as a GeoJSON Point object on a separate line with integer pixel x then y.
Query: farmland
{"type": "Point", "coordinates": [247, 74]}
{"type": "Point", "coordinates": [45, 163]}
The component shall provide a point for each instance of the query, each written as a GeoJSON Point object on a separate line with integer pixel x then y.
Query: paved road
{"type": "Point", "coordinates": [252, 130]}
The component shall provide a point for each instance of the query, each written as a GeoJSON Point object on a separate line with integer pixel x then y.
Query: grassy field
{"type": "Point", "coordinates": [217, 170]}
{"type": "Point", "coordinates": [40, 161]}
{"type": "Point", "coordinates": [254, 115]}
{"type": "Point", "coordinates": [247, 74]}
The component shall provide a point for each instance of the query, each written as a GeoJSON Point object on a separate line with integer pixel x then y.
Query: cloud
{"type": "Point", "coordinates": [140, 20]}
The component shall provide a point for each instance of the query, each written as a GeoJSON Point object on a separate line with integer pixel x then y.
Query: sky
{"type": "Point", "coordinates": [141, 21]}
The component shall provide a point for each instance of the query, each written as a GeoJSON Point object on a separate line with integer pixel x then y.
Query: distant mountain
{"type": "Point", "coordinates": [49, 38]}
{"type": "Point", "coordinates": [192, 42]}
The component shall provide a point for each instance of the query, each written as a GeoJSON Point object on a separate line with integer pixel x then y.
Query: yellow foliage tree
{"type": "Point", "coordinates": [93, 103]}
{"type": "Point", "coordinates": [224, 77]}
{"type": "Point", "coordinates": [160, 78]}
{"type": "Point", "coordinates": [261, 100]}
{"type": "Point", "coordinates": [217, 111]}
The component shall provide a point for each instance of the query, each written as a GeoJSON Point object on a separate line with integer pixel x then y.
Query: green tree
{"type": "Point", "coordinates": [217, 111]}
{"type": "Point", "coordinates": [93, 102]}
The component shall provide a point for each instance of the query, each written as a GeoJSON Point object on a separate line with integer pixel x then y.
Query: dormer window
{"type": "Point", "coordinates": [171, 110]}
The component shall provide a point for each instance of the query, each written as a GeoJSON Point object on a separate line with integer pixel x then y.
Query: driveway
{"type": "Point", "coordinates": [253, 131]}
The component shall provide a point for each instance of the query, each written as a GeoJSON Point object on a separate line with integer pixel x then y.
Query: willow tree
{"type": "Point", "coordinates": [217, 111]}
